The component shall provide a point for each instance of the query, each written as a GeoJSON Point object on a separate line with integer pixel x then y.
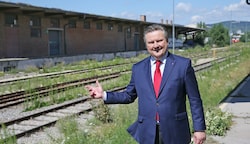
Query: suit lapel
{"type": "Point", "coordinates": [149, 76]}
{"type": "Point", "coordinates": [145, 73]}
{"type": "Point", "coordinates": [170, 63]}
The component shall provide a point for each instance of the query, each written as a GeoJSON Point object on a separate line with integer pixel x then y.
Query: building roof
{"type": "Point", "coordinates": [54, 12]}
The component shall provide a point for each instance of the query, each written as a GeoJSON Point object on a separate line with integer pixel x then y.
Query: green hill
{"type": "Point", "coordinates": [243, 26]}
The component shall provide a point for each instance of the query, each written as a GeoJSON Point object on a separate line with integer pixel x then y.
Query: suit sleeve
{"type": "Point", "coordinates": [194, 99]}
{"type": "Point", "coordinates": [125, 97]}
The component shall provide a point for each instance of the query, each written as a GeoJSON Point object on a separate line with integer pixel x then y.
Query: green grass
{"type": "Point", "coordinates": [214, 85]}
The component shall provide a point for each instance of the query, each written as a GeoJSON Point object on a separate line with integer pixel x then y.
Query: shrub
{"type": "Point", "coordinates": [102, 112]}
{"type": "Point", "coordinates": [217, 122]}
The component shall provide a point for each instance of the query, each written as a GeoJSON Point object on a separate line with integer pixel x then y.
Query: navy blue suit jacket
{"type": "Point", "coordinates": [178, 81]}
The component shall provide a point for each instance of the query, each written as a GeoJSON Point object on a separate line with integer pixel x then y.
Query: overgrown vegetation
{"type": "Point", "coordinates": [214, 84]}
{"type": "Point", "coordinates": [111, 122]}
{"type": "Point", "coordinates": [6, 137]}
{"type": "Point", "coordinates": [217, 83]}
{"type": "Point", "coordinates": [217, 122]}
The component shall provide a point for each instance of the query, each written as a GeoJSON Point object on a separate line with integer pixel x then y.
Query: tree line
{"type": "Point", "coordinates": [218, 36]}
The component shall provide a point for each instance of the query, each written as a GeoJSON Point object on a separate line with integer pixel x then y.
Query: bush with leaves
{"type": "Point", "coordinates": [102, 112]}
{"type": "Point", "coordinates": [217, 122]}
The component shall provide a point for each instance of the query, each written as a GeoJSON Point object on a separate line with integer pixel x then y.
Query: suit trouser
{"type": "Point", "coordinates": [158, 138]}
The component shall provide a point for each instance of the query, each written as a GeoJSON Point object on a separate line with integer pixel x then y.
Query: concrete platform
{"type": "Point", "coordinates": [238, 104]}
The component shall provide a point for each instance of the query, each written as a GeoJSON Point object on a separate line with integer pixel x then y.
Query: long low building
{"type": "Point", "coordinates": [28, 31]}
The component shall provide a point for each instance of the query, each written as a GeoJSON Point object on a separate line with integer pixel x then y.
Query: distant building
{"type": "Point", "coordinates": [34, 32]}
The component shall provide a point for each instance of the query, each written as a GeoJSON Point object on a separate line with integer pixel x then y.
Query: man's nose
{"type": "Point", "coordinates": [156, 44]}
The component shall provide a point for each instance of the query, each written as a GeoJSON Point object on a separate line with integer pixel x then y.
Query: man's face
{"type": "Point", "coordinates": [156, 43]}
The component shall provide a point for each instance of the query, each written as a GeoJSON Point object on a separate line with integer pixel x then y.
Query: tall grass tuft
{"type": "Point", "coordinates": [6, 137]}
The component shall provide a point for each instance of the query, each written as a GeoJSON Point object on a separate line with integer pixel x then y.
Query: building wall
{"type": "Point", "coordinates": [80, 40]}
{"type": "Point", "coordinates": [16, 41]}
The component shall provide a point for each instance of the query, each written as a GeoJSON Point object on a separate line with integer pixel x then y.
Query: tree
{"type": "Point", "coordinates": [200, 37]}
{"type": "Point", "coordinates": [245, 37]}
{"type": "Point", "coordinates": [219, 35]}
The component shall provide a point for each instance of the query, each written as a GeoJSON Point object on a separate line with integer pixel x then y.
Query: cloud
{"type": "Point", "coordinates": [186, 13]}
{"type": "Point", "coordinates": [196, 18]}
{"type": "Point", "coordinates": [154, 16]}
{"type": "Point", "coordinates": [126, 15]}
{"type": "Point", "coordinates": [183, 7]}
{"type": "Point", "coordinates": [236, 6]}
{"type": "Point", "coordinates": [234, 11]}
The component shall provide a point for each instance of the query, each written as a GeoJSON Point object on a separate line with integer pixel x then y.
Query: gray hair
{"type": "Point", "coordinates": [155, 27]}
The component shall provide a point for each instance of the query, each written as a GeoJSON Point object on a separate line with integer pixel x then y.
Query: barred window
{"type": "Point", "coordinates": [119, 28]}
{"type": "Point", "coordinates": [136, 29]}
{"type": "Point", "coordinates": [55, 23]}
{"type": "Point", "coordinates": [110, 27]}
{"type": "Point", "coordinates": [72, 23]}
{"type": "Point", "coordinates": [128, 32]}
{"type": "Point", "coordinates": [35, 32]}
{"type": "Point", "coordinates": [11, 19]}
{"type": "Point", "coordinates": [86, 25]}
{"type": "Point", "coordinates": [35, 26]}
{"type": "Point", "coordinates": [35, 21]}
{"type": "Point", "coordinates": [99, 26]}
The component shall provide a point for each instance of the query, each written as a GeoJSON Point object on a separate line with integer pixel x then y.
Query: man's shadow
{"type": "Point", "coordinates": [241, 93]}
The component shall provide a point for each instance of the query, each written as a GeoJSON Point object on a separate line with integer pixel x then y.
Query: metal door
{"type": "Point", "coordinates": [54, 42]}
{"type": "Point", "coordinates": [136, 41]}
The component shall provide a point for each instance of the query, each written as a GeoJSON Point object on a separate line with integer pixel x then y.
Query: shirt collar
{"type": "Point", "coordinates": [163, 59]}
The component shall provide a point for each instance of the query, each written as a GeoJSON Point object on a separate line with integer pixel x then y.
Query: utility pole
{"type": "Point", "coordinates": [246, 32]}
{"type": "Point", "coordinates": [173, 29]}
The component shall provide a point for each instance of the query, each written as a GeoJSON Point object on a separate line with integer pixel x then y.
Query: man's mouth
{"type": "Point", "coordinates": [157, 49]}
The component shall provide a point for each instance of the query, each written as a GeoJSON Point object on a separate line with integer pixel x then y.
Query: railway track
{"type": "Point", "coordinates": [19, 97]}
{"type": "Point", "coordinates": [57, 74]}
{"type": "Point", "coordinates": [209, 64]}
{"type": "Point", "coordinates": [30, 123]}
{"type": "Point", "coordinates": [71, 72]}
{"type": "Point", "coordinates": [15, 98]}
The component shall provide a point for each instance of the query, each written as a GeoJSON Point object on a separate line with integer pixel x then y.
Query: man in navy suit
{"type": "Point", "coordinates": [162, 116]}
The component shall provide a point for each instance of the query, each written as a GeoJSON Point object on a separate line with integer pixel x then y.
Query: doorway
{"type": "Point", "coordinates": [55, 42]}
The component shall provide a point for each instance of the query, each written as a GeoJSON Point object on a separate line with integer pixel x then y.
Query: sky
{"type": "Point", "coordinates": [186, 12]}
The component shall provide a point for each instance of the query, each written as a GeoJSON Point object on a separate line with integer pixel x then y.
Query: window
{"type": "Point", "coordinates": [86, 25]}
{"type": "Point", "coordinates": [35, 21]}
{"type": "Point", "coordinates": [110, 27]}
{"type": "Point", "coordinates": [136, 29]}
{"type": "Point", "coordinates": [35, 26]}
{"type": "Point", "coordinates": [11, 19]}
{"type": "Point", "coordinates": [119, 28]}
{"type": "Point", "coordinates": [72, 23]}
{"type": "Point", "coordinates": [99, 26]}
{"type": "Point", "coordinates": [128, 32]}
{"type": "Point", "coordinates": [55, 23]}
{"type": "Point", "coordinates": [35, 32]}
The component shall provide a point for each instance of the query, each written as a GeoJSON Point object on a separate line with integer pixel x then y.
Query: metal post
{"type": "Point", "coordinates": [230, 41]}
{"type": "Point", "coordinates": [246, 32]}
{"type": "Point", "coordinates": [173, 29]}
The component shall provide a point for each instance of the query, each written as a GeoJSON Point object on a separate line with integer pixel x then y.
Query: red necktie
{"type": "Point", "coordinates": [157, 83]}
{"type": "Point", "coordinates": [157, 78]}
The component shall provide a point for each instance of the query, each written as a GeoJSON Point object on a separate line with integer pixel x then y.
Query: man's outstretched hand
{"type": "Point", "coordinates": [95, 91]}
